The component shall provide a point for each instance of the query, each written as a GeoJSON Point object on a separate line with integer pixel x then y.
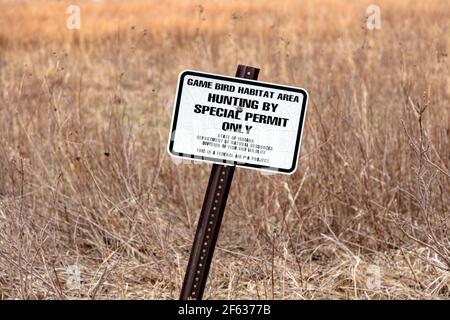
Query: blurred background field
{"type": "Point", "coordinates": [86, 183]}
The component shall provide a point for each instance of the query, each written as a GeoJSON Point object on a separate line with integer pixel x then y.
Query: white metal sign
{"type": "Point", "coordinates": [236, 121]}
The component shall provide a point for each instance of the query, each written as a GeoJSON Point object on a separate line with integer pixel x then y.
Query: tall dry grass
{"type": "Point", "coordinates": [85, 179]}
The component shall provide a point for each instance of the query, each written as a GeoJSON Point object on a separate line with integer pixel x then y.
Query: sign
{"type": "Point", "coordinates": [236, 121]}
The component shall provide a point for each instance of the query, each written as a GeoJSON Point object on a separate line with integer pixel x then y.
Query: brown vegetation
{"type": "Point", "coordinates": [85, 178]}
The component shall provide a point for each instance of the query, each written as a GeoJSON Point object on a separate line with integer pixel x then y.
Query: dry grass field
{"type": "Point", "coordinates": [86, 182]}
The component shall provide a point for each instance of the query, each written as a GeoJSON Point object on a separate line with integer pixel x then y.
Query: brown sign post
{"type": "Point", "coordinates": [210, 219]}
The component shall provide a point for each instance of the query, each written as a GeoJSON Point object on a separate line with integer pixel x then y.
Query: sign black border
{"type": "Point", "coordinates": [243, 81]}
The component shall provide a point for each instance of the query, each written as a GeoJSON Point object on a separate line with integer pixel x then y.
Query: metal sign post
{"type": "Point", "coordinates": [210, 219]}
